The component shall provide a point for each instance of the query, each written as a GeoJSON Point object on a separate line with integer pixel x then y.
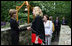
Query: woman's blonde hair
{"type": "Point", "coordinates": [38, 11]}
{"type": "Point", "coordinates": [50, 18]}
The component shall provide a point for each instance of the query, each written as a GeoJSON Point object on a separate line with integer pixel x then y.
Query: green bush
{"type": "Point", "coordinates": [51, 8]}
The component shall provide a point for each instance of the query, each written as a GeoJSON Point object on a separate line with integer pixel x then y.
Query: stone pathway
{"type": "Point", "coordinates": [65, 35]}
{"type": "Point", "coordinates": [55, 42]}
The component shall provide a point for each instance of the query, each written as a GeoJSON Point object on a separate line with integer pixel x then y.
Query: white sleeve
{"type": "Point", "coordinates": [50, 30]}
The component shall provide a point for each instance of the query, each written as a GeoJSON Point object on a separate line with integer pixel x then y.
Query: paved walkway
{"type": "Point", "coordinates": [65, 36]}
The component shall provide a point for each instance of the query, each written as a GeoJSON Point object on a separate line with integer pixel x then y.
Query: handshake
{"type": "Point", "coordinates": [29, 28]}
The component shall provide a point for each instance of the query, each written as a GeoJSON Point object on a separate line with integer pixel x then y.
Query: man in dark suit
{"type": "Point", "coordinates": [57, 26]}
{"type": "Point", "coordinates": [64, 21]}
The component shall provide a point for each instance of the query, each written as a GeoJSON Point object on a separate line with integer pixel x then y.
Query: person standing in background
{"type": "Point", "coordinates": [53, 28]}
{"type": "Point", "coordinates": [48, 30]}
{"type": "Point", "coordinates": [51, 18]}
{"type": "Point", "coordinates": [64, 21]}
{"type": "Point", "coordinates": [57, 27]}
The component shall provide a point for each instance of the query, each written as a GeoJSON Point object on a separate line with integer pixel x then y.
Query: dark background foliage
{"type": "Point", "coordinates": [51, 8]}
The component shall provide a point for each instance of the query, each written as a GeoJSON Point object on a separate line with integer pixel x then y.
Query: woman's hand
{"type": "Point", "coordinates": [28, 28]}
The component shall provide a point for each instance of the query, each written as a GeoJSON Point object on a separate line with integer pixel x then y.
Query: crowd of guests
{"type": "Point", "coordinates": [43, 27]}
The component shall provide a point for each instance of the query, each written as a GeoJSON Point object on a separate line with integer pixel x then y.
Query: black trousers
{"type": "Point", "coordinates": [36, 44]}
{"type": "Point", "coordinates": [57, 30]}
{"type": "Point", "coordinates": [14, 37]}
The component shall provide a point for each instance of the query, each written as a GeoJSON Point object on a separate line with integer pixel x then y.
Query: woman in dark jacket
{"type": "Point", "coordinates": [14, 27]}
{"type": "Point", "coordinates": [38, 33]}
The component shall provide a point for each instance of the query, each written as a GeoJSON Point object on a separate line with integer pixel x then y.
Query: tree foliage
{"type": "Point", "coordinates": [51, 8]}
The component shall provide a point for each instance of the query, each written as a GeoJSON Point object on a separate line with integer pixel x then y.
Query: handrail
{"type": "Point", "coordinates": [21, 26]}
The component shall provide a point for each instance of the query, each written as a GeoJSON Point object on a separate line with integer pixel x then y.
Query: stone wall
{"type": "Point", "coordinates": [24, 36]}
{"type": "Point", "coordinates": [65, 35]}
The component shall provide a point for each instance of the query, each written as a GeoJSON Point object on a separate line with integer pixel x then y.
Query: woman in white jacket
{"type": "Point", "coordinates": [48, 30]}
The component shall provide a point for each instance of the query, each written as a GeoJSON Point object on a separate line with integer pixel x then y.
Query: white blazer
{"type": "Point", "coordinates": [48, 27]}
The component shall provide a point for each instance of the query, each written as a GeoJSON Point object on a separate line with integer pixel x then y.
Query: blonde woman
{"type": "Point", "coordinates": [50, 18]}
{"type": "Point", "coordinates": [38, 33]}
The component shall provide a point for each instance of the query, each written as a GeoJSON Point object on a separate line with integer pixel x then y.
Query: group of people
{"type": "Point", "coordinates": [42, 27]}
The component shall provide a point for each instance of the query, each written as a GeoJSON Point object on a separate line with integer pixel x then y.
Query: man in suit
{"type": "Point", "coordinates": [57, 26]}
{"type": "Point", "coordinates": [64, 21]}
